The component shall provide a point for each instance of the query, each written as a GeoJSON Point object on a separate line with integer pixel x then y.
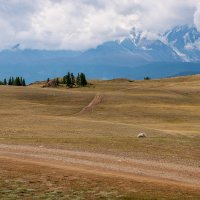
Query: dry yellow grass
{"type": "Point", "coordinates": [167, 110]}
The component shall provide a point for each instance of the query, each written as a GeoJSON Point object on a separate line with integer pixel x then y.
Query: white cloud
{"type": "Point", "coordinates": [193, 46]}
{"type": "Point", "coordinates": [197, 17]}
{"type": "Point", "coordinates": [81, 24]}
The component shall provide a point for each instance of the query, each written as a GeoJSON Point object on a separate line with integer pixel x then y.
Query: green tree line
{"type": "Point", "coordinates": [15, 81]}
{"type": "Point", "coordinates": [75, 81]}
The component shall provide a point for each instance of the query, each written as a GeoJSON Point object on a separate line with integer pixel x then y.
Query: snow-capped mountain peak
{"type": "Point", "coordinates": [136, 36]}
{"type": "Point", "coordinates": [181, 43]}
{"type": "Point", "coordinates": [186, 41]}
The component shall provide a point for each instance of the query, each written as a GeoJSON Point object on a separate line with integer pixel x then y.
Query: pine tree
{"type": "Point", "coordinates": [5, 81]}
{"type": "Point", "coordinates": [147, 78]}
{"type": "Point", "coordinates": [72, 80]}
{"type": "Point", "coordinates": [64, 79]}
{"type": "Point", "coordinates": [78, 80]}
{"type": "Point", "coordinates": [68, 80]}
{"type": "Point", "coordinates": [10, 81]}
{"type": "Point", "coordinates": [23, 82]}
{"type": "Point", "coordinates": [17, 81]}
{"type": "Point", "coordinates": [83, 81]}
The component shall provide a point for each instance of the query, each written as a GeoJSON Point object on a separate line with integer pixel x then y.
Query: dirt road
{"type": "Point", "coordinates": [105, 165]}
{"type": "Point", "coordinates": [89, 108]}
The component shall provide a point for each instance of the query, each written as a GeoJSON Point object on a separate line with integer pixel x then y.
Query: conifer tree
{"type": "Point", "coordinates": [78, 81]}
{"type": "Point", "coordinates": [83, 81]}
{"type": "Point", "coordinates": [17, 81]}
{"type": "Point", "coordinates": [147, 78]}
{"type": "Point", "coordinates": [64, 79]}
{"type": "Point", "coordinates": [10, 81]}
{"type": "Point", "coordinates": [68, 80]}
{"type": "Point", "coordinates": [23, 82]}
{"type": "Point", "coordinates": [72, 80]}
{"type": "Point", "coordinates": [5, 81]}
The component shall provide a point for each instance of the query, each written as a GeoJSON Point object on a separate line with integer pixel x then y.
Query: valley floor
{"type": "Point", "coordinates": [82, 143]}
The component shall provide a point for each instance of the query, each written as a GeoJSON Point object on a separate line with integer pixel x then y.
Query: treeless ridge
{"type": "Point", "coordinates": [107, 165]}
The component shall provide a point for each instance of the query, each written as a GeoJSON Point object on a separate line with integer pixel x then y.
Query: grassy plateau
{"type": "Point", "coordinates": [167, 110]}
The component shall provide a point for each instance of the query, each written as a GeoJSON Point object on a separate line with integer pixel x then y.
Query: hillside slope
{"type": "Point", "coordinates": [82, 142]}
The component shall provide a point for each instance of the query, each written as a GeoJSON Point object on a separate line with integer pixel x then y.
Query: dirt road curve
{"type": "Point", "coordinates": [105, 165]}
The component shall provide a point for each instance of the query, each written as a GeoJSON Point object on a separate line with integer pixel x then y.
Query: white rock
{"type": "Point", "coordinates": [142, 135]}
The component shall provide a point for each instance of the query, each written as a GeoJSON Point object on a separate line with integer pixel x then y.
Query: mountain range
{"type": "Point", "coordinates": [175, 52]}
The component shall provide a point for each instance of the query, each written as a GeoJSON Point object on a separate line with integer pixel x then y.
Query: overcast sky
{"type": "Point", "coordinates": [81, 24]}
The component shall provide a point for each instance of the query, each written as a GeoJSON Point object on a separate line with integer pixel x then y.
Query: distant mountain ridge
{"type": "Point", "coordinates": [181, 44]}
{"type": "Point", "coordinates": [176, 51]}
{"type": "Point", "coordinates": [185, 41]}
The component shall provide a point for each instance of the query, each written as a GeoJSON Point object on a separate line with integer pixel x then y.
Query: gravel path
{"type": "Point", "coordinates": [168, 173]}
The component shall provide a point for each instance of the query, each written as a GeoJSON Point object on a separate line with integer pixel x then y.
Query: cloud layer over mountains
{"type": "Point", "coordinates": [82, 24]}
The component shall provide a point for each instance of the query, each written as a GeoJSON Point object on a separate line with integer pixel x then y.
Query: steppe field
{"type": "Point", "coordinates": [81, 143]}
